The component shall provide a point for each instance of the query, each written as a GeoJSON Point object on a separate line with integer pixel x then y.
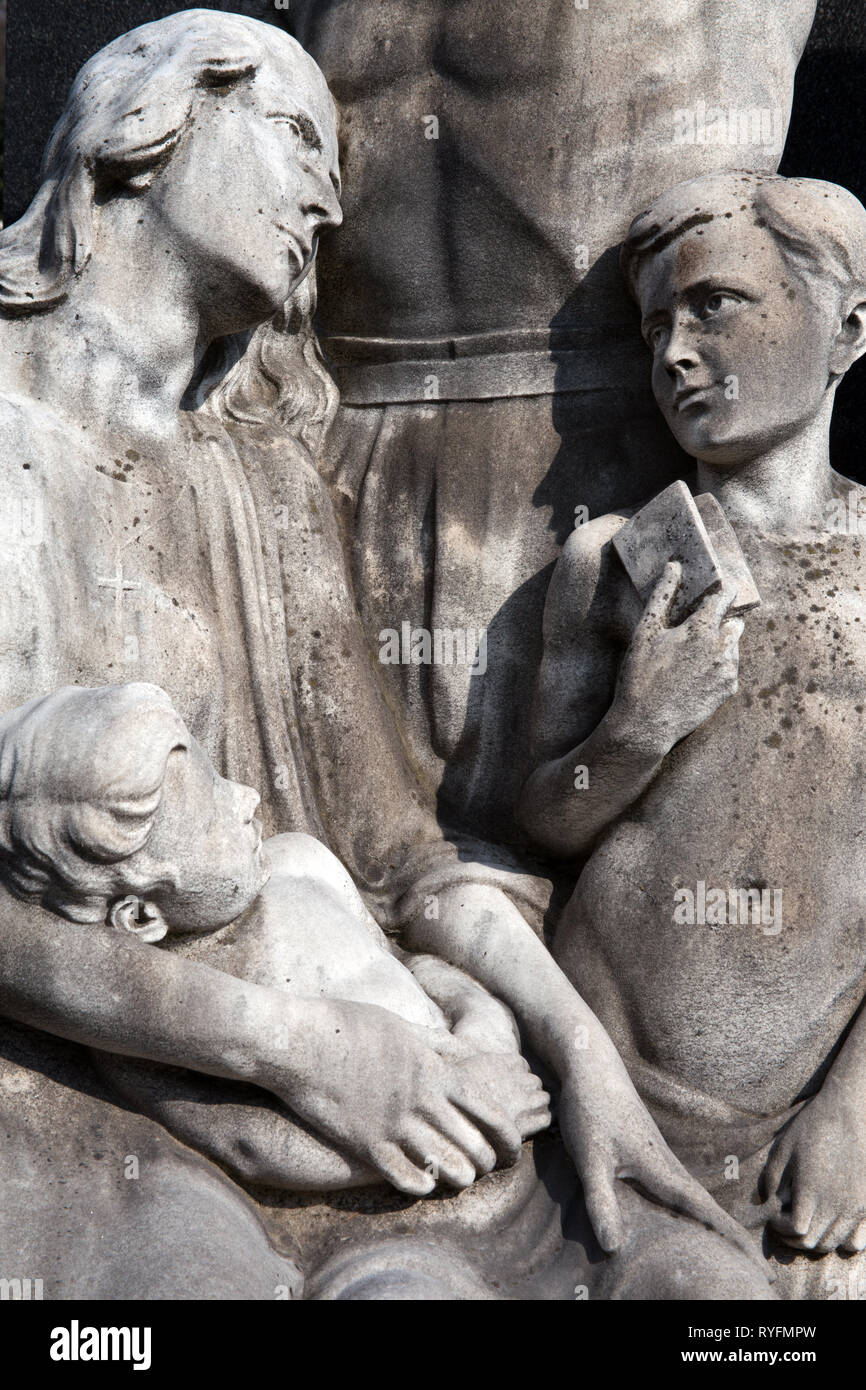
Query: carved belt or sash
{"type": "Point", "coordinates": [486, 366]}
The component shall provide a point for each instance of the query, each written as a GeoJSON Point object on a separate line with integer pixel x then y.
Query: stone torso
{"type": "Point", "coordinates": [768, 794]}
{"type": "Point", "coordinates": [555, 125]}
{"type": "Point", "coordinates": [308, 933]}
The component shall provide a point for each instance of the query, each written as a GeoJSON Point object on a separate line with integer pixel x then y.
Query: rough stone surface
{"type": "Point", "coordinates": [523, 830]}
{"type": "Point", "coordinates": [670, 528]}
{"type": "Point", "coordinates": [696, 535]}
{"type": "Point", "coordinates": [702, 740]}
{"type": "Point", "coordinates": [829, 98]}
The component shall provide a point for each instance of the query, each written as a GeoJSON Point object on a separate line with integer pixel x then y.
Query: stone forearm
{"type": "Point", "coordinates": [104, 990]}
{"type": "Point", "coordinates": [481, 931]}
{"type": "Point", "coordinates": [567, 803]}
{"type": "Point", "coordinates": [236, 1126]}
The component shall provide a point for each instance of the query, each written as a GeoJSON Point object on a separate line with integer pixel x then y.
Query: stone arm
{"type": "Point", "coordinates": [580, 717]}
{"type": "Point", "coordinates": [153, 1005]}
{"type": "Point", "coordinates": [239, 1127]}
{"type": "Point", "coordinates": [617, 689]}
{"type": "Point", "coordinates": [481, 932]}
{"type": "Point", "coordinates": [604, 1124]}
{"type": "Point", "coordinates": [103, 989]}
{"type": "Point", "coordinates": [472, 1012]}
{"type": "Point", "coordinates": [259, 1142]}
{"type": "Point", "coordinates": [324, 1059]}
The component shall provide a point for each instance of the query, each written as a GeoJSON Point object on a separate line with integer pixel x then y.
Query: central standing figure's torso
{"type": "Point", "coordinates": [555, 125]}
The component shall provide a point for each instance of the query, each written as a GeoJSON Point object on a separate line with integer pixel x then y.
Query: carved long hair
{"type": "Point", "coordinates": [127, 111]}
{"type": "Point", "coordinates": [274, 376]}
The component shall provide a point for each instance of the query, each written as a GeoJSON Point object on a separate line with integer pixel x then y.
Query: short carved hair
{"type": "Point", "coordinates": [820, 228]}
{"type": "Point", "coordinates": [81, 779]}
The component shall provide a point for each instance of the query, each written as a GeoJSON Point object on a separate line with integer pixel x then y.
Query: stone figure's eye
{"type": "Point", "coordinates": [301, 126]}
{"type": "Point", "coordinates": [656, 336]}
{"type": "Point", "coordinates": [719, 300]}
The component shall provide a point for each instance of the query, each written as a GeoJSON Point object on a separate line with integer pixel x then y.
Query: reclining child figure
{"type": "Point", "coordinates": [113, 815]}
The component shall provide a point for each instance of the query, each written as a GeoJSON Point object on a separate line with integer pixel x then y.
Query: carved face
{"type": "Point", "coordinates": [253, 182]}
{"type": "Point", "coordinates": [741, 346]}
{"type": "Point", "coordinates": [207, 834]}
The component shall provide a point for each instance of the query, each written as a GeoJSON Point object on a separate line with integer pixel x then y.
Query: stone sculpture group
{"type": "Point", "coordinates": [304, 944]}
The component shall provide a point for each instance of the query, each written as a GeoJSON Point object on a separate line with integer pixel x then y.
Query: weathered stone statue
{"type": "Point", "coordinates": [493, 155]}
{"type": "Point", "coordinates": [138, 542]}
{"type": "Point", "coordinates": [182, 545]}
{"type": "Point", "coordinates": [717, 928]}
{"type": "Point", "coordinates": [248, 1081]}
{"type": "Point", "coordinates": [113, 816]}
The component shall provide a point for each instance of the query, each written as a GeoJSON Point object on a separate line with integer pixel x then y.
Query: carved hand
{"type": "Point", "coordinates": [518, 1094]}
{"type": "Point", "coordinates": [497, 1067]}
{"type": "Point", "coordinates": [673, 679]}
{"type": "Point", "coordinates": [611, 1135]}
{"type": "Point", "coordinates": [473, 1012]}
{"type": "Point", "coordinates": [418, 1105]}
{"type": "Point", "coordinates": [817, 1171]}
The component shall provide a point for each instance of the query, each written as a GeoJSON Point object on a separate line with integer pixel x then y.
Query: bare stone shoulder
{"type": "Point", "coordinates": [586, 580]}
{"type": "Point", "coordinates": [299, 855]}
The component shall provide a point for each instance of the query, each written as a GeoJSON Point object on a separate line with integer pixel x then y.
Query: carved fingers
{"type": "Point", "coordinates": [602, 1208]}
{"type": "Point", "coordinates": [816, 1174]}
{"type": "Point", "coordinates": [669, 1182]}
{"type": "Point", "coordinates": [660, 601]}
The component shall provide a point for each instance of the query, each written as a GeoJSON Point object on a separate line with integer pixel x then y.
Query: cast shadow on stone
{"type": "Point", "coordinates": [615, 452]}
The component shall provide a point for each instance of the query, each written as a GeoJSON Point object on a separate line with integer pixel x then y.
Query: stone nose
{"type": "Point", "coordinates": [322, 207]}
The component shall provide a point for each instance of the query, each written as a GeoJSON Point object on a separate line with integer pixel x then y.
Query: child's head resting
{"type": "Point", "coordinates": [752, 291]}
{"type": "Point", "coordinates": [111, 812]}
